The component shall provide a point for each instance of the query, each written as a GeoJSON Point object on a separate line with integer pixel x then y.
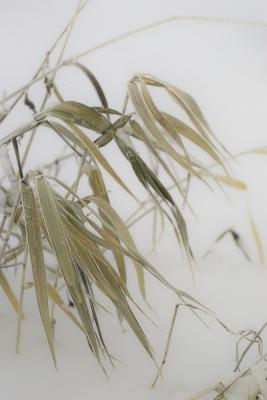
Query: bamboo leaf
{"type": "Point", "coordinates": [93, 150]}
{"type": "Point", "coordinates": [35, 246]}
{"type": "Point", "coordinates": [142, 111]}
{"type": "Point", "coordinates": [120, 226]}
{"type": "Point", "coordinates": [180, 293]}
{"type": "Point", "coordinates": [55, 296]}
{"type": "Point", "coordinates": [61, 247]}
{"type": "Point", "coordinates": [80, 114]}
{"type": "Point", "coordinates": [82, 308]}
{"type": "Point", "coordinates": [184, 100]}
{"type": "Point", "coordinates": [150, 181]}
{"type": "Point", "coordinates": [99, 189]}
{"type": "Point", "coordinates": [226, 180]}
{"type": "Point", "coordinates": [55, 231]}
{"type": "Point", "coordinates": [190, 134]}
{"type": "Point", "coordinates": [95, 83]}
{"type": "Point", "coordinates": [141, 134]}
{"type": "Point", "coordinates": [113, 280]}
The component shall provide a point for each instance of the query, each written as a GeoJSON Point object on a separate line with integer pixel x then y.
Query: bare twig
{"type": "Point", "coordinates": [21, 298]}
{"type": "Point", "coordinates": [257, 335]}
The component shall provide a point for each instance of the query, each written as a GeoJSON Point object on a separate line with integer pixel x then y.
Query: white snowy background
{"type": "Point", "coordinates": [224, 67]}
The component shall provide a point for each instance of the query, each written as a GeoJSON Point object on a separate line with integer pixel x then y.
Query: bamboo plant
{"type": "Point", "coordinates": [44, 216]}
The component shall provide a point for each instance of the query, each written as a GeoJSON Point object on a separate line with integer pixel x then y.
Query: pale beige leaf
{"type": "Point", "coordinates": [80, 114]}
{"type": "Point", "coordinates": [92, 149]}
{"type": "Point", "coordinates": [35, 246]}
{"type": "Point", "coordinates": [55, 231]}
{"type": "Point", "coordinates": [55, 296]}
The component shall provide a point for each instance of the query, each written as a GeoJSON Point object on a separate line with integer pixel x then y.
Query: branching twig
{"type": "Point", "coordinates": [73, 59]}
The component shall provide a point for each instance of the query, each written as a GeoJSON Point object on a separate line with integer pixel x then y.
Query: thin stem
{"type": "Point", "coordinates": [64, 139]}
{"type": "Point", "coordinates": [3, 224]}
{"type": "Point", "coordinates": [69, 30]}
{"type": "Point", "coordinates": [15, 145]}
{"type": "Point", "coordinates": [11, 265]}
{"type": "Point", "coordinates": [10, 226]}
{"type": "Point", "coordinates": [249, 346]}
{"type": "Point", "coordinates": [57, 161]}
{"type": "Point", "coordinates": [53, 304]}
{"type": "Point", "coordinates": [166, 351]}
{"type": "Point", "coordinates": [79, 175]}
{"type": "Point", "coordinates": [48, 53]}
{"type": "Point", "coordinates": [21, 298]}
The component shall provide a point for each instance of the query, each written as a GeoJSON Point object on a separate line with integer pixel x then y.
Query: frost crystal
{"type": "Point", "coordinates": [122, 135]}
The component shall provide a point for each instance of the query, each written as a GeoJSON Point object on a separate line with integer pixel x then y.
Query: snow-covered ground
{"type": "Point", "coordinates": [224, 67]}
